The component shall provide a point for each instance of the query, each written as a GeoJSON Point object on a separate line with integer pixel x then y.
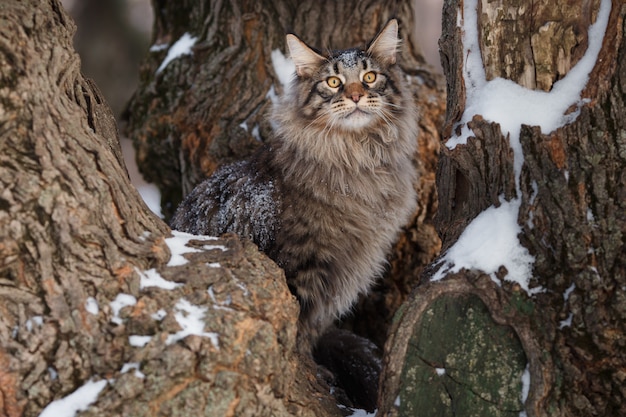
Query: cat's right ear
{"type": "Point", "coordinates": [307, 61]}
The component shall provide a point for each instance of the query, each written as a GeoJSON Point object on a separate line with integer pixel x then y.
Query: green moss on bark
{"type": "Point", "coordinates": [461, 363]}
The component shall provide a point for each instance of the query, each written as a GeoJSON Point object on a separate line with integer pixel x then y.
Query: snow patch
{"type": "Point", "coordinates": [121, 301]}
{"type": "Point", "coordinates": [525, 384]}
{"type": "Point", "coordinates": [220, 305]}
{"type": "Point", "coordinates": [139, 341]}
{"type": "Point", "coordinates": [256, 133]}
{"type": "Point", "coordinates": [489, 242]}
{"type": "Point", "coordinates": [362, 413]}
{"type": "Point", "coordinates": [567, 322]}
{"type": "Point", "coordinates": [151, 278]}
{"type": "Point", "coordinates": [351, 58]}
{"type": "Point", "coordinates": [271, 94]}
{"type": "Point", "coordinates": [34, 321]}
{"type": "Point", "coordinates": [180, 48]}
{"type": "Point", "coordinates": [91, 305]}
{"type": "Point", "coordinates": [130, 366]}
{"type": "Point", "coordinates": [568, 292]}
{"type": "Point", "coordinates": [159, 47]}
{"type": "Point", "coordinates": [190, 319]}
{"type": "Point", "coordinates": [284, 68]}
{"type": "Point", "coordinates": [77, 401]}
{"type": "Point", "coordinates": [149, 192]}
{"type": "Point", "coordinates": [159, 315]}
{"type": "Point", "coordinates": [178, 246]}
{"type": "Point", "coordinates": [151, 195]}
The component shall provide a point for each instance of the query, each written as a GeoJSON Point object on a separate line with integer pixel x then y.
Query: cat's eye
{"type": "Point", "coordinates": [369, 77]}
{"type": "Point", "coordinates": [333, 82]}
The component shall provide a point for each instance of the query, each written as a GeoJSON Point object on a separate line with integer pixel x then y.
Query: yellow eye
{"type": "Point", "coordinates": [369, 77]}
{"type": "Point", "coordinates": [333, 82]}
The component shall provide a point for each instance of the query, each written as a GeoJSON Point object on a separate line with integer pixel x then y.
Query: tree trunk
{"type": "Point", "coordinates": [88, 287]}
{"type": "Point", "coordinates": [211, 107]}
{"type": "Point", "coordinates": [469, 342]}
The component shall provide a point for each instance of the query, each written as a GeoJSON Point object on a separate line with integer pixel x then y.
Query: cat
{"type": "Point", "coordinates": [327, 195]}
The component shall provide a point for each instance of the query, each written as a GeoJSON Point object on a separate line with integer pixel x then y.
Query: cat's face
{"type": "Point", "coordinates": [348, 90]}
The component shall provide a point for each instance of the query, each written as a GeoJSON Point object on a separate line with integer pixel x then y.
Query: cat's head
{"type": "Point", "coordinates": [348, 90]}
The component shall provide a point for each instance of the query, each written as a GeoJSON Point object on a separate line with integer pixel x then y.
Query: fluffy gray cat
{"type": "Point", "coordinates": [326, 196]}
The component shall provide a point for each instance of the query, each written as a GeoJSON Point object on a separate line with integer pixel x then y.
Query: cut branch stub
{"type": "Point", "coordinates": [460, 348]}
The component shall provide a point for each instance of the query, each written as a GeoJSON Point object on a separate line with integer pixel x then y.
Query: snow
{"type": "Point", "coordinates": [190, 319]}
{"type": "Point", "coordinates": [568, 292]}
{"type": "Point", "coordinates": [489, 242]}
{"type": "Point", "coordinates": [362, 413]}
{"type": "Point", "coordinates": [159, 47]}
{"type": "Point", "coordinates": [121, 301]}
{"type": "Point", "coordinates": [178, 246]}
{"type": "Point", "coordinates": [180, 48]}
{"type": "Point", "coordinates": [511, 105]}
{"type": "Point", "coordinates": [491, 239]}
{"type": "Point", "coordinates": [351, 58]}
{"type": "Point", "coordinates": [159, 315]}
{"type": "Point", "coordinates": [256, 133]}
{"type": "Point", "coordinates": [91, 305]}
{"type": "Point", "coordinates": [567, 322]}
{"type": "Point", "coordinates": [34, 321]}
{"type": "Point", "coordinates": [151, 196]}
{"type": "Point", "coordinates": [139, 341]}
{"type": "Point", "coordinates": [525, 388]}
{"type": "Point", "coordinates": [271, 94]}
{"type": "Point", "coordinates": [149, 192]}
{"type": "Point", "coordinates": [151, 278]}
{"type": "Point", "coordinates": [133, 365]}
{"type": "Point", "coordinates": [284, 68]}
{"type": "Point", "coordinates": [77, 401]}
{"type": "Point", "coordinates": [220, 305]}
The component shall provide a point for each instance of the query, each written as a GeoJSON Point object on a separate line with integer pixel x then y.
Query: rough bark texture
{"type": "Point", "coordinates": [75, 234]}
{"type": "Point", "coordinates": [205, 109]}
{"type": "Point", "coordinates": [573, 217]}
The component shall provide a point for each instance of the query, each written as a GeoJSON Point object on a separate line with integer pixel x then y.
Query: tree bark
{"type": "Point", "coordinates": [569, 338]}
{"type": "Point", "coordinates": [204, 109]}
{"type": "Point", "coordinates": [80, 257]}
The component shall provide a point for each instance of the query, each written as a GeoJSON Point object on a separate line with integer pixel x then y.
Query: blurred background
{"type": "Point", "coordinates": [114, 35]}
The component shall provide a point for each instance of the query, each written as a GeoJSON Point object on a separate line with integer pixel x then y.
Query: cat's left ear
{"type": "Point", "coordinates": [385, 45]}
{"type": "Point", "coordinates": [306, 59]}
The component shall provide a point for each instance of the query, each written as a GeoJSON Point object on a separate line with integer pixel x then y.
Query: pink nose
{"type": "Point", "coordinates": [354, 91]}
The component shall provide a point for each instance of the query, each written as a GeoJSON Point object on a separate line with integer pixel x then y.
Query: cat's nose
{"type": "Point", "coordinates": [354, 91]}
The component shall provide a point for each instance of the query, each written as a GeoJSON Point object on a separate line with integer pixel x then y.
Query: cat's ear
{"type": "Point", "coordinates": [385, 45]}
{"type": "Point", "coordinates": [307, 61]}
